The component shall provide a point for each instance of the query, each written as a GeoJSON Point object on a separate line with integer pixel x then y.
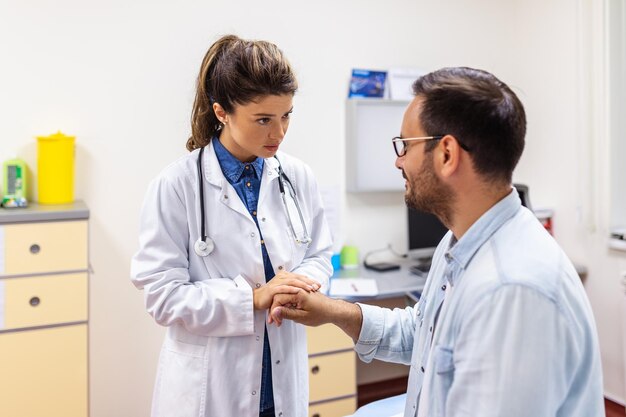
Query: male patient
{"type": "Point", "coordinates": [503, 327]}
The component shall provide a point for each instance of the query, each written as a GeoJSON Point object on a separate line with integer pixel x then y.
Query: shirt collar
{"type": "Point", "coordinates": [231, 166]}
{"type": "Point", "coordinates": [461, 251]}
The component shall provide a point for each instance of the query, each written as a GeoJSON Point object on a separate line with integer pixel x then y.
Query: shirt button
{"type": "Point", "coordinates": [443, 287]}
{"type": "Point", "coordinates": [247, 184]}
{"type": "Point", "coordinates": [262, 242]}
{"type": "Point", "coordinates": [247, 166]}
{"type": "Point", "coordinates": [258, 285]}
{"type": "Point", "coordinates": [254, 213]}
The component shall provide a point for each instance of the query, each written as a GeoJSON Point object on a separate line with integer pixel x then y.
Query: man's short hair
{"type": "Point", "coordinates": [480, 111]}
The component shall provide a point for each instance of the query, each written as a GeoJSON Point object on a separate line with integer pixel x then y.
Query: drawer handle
{"type": "Point", "coordinates": [315, 369]}
{"type": "Point", "coordinates": [34, 301]}
{"type": "Point", "coordinates": [35, 248]}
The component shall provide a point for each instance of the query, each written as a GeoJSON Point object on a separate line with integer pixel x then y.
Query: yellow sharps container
{"type": "Point", "coordinates": [55, 169]}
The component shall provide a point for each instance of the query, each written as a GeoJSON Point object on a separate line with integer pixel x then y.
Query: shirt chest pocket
{"type": "Point", "coordinates": [443, 376]}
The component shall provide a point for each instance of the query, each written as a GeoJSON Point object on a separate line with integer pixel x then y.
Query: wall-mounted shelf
{"type": "Point", "coordinates": [370, 126]}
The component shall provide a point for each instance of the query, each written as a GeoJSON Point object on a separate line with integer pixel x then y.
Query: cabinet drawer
{"type": "Point", "coordinates": [43, 300]}
{"type": "Point", "coordinates": [339, 408]}
{"type": "Point", "coordinates": [31, 248]}
{"type": "Point", "coordinates": [332, 376]}
{"type": "Point", "coordinates": [44, 372]}
{"type": "Point", "coordinates": [327, 338]}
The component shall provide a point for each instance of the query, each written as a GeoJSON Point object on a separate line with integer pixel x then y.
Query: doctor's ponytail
{"type": "Point", "coordinates": [235, 71]}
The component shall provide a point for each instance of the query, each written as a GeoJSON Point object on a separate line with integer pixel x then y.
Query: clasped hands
{"type": "Point", "coordinates": [296, 293]}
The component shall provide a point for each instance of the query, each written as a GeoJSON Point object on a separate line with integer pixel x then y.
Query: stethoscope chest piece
{"type": "Point", "coordinates": [203, 248]}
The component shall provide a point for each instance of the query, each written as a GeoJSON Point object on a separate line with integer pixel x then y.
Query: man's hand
{"type": "Point", "coordinates": [282, 283]}
{"type": "Point", "coordinates": [302, 307]}
{"type": "Point", "coordinates": [314, 309]}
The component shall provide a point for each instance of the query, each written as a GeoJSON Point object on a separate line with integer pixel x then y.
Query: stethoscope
{"type": "Point", "coordinates": [204, 245]}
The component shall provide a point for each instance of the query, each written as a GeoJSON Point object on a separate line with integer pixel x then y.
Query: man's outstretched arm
{"type": "Point", "coordinates": [314, 309]}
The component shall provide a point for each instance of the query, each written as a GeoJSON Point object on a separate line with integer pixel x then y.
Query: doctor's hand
{"type": "Point", "coordinates": [314, 309]}
{"type": "Point", "coordinates": [282, 283]}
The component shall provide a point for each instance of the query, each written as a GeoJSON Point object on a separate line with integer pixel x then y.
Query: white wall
{"type": "Point", "coordinates": [120, 76]}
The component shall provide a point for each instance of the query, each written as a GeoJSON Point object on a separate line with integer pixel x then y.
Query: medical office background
{"type": "Point", "coordinates": [120, 76]}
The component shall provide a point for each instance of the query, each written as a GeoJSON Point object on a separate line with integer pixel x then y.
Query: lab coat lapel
{"type": "Point", "coordinates": [270, 174]}
{"type": "Point", "coordinates": [215, 177]}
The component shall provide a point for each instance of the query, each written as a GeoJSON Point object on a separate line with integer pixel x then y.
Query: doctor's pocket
{"type": "Point", "coordinates": [180, 388]}
{"type": "Point", "coordinates": [443, 376]}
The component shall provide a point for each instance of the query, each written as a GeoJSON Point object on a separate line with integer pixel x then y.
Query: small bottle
{"type": "Point", "coordinates": [14, 183]}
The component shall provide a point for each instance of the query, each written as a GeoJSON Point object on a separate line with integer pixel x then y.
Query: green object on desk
{"type": "Point", "coordinates": [349, 257]}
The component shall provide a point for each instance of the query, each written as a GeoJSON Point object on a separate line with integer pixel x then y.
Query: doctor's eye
{"type": "Point", "coordinates": [288, 115]}
{"type": "Point", "coordinates": [263, 120]}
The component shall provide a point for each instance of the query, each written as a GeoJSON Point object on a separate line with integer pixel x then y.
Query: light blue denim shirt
{"type": "Point", "coordinates": [516, 336]}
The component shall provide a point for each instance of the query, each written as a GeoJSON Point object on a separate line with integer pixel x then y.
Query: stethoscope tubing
{"type": "Point", "coordinates": [205, 246]}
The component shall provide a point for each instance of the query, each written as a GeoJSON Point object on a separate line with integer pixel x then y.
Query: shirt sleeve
{"type": "Point", "coordinates": [514, 357]}
{"type": "Point", "coordinates": [219, 306]}
{"type": "Point", "coordinates": [386, 334]}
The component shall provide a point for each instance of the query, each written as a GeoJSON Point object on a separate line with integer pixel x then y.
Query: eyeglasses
{"type": "Point", "coordinates": [399, 143]}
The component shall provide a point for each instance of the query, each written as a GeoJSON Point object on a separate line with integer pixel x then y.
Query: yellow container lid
{"type": "Point", "coordinates": [56, 137]}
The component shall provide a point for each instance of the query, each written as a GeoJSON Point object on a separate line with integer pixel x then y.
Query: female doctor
{"type": "Point", "coordinates": [225, 228]}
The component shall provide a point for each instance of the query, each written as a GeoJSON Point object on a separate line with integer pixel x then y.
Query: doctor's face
{"type": "Point", "coordinates": [255, 129]}
{"type": "Point", "coordinates": [425, 191]}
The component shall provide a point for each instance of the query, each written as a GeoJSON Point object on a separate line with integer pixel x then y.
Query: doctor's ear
{"type": "Point", "coordinates": [220, 113]}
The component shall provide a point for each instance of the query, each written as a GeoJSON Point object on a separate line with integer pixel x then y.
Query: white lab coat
{"type": "Point", "coordinates": [211, 359]}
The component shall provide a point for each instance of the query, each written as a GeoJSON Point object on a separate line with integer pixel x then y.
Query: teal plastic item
{"type": "Point", "coordinates": [14, 183]}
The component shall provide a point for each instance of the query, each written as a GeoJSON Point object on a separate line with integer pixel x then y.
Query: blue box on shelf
{"type": "Point", "coordinates": [367, 83]}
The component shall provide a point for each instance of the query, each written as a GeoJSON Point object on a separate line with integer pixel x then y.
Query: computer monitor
{"type": "Point", "coordinates": [425, 233]}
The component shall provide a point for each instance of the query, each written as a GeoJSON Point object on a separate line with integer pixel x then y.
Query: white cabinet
{"type": "Point", "coordinates": [370, 158]}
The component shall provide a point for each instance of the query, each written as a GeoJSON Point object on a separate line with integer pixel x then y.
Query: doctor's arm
{"type": "Point", "coordinates": [316, 263]}
{"type": "Point", "coordinates": [220, 306]}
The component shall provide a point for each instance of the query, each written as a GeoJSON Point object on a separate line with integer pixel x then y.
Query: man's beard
{"type": "Point", "coordinates": [428, 193]}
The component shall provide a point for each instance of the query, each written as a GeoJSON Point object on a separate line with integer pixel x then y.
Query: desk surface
{"type": "Point", "coordinates": [390, 284]}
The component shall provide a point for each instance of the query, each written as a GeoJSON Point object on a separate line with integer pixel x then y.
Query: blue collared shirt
{"type": "Point", "coordinates": [515, 337]}
{"type": "Point", "coordinates": [245, 177]}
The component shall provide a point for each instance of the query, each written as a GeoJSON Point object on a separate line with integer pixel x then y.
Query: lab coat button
{"type": "Point", "coordinates": [263, 219]}
{"type": "Point", "coordinates": [278, 363]}
{"type": "Point", "coordinates": [422, 368]}
{"type": "Point", "coordinates": [443, 287]}
{"type": "Point", "coordinates": [258, 285]}
{"type": "Point", "coordinates": [253, 392]}
{"type": "Point", "coordinates": [419, 313]}
{"type": "Point", "coordinates": [225, 197]}
{"type": "Point", "coordinates": [257, 338]}
{"type": "Point", "coordinates": [280, 414]}
{"type": "Point", "coordinates": [252, 234]}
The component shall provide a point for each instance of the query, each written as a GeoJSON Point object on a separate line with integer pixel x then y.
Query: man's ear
{"type": "Point", "coordinates": [221, 114]}
{"type": "Point", "coordinates": [448, 155]}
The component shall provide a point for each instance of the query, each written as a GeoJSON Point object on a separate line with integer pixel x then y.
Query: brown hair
{"type": "Point", "coordinates": [480, 111]}
{"type": "Point", "coordinates": [236, 71]}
